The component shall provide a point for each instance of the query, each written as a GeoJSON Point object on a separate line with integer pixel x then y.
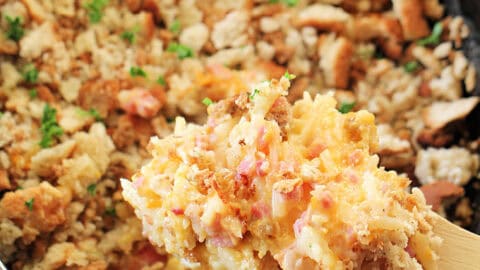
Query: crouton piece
{"type": "Point", "coordinates": [427, 58]}
{"type": "Point", "coordinates": [446, 87]}
{"type": "Point", "coordinates": [99, 95]}
{"type": "Point", "coordinates": [460, 65]}
{"type": "Point", "coordinates": [323, 17]}
{"type": "Point", "coordinates": [70, 88]}
{"type": "Point", "coordinates": [41, 207]}
{"type": "Point", "coordinates": [439, 114]}
{"type": "Point", "coordinates": [410, 13]}
{"type": "Point", "coordinates": [62, 254]}
{"type": "Point", "coordinates": [335, 61]}
{"type": "Point", "coordinates": [9, 232]}
{"type": "Point", "coordinates": [73, 119]}
{"type": "Point", "coordinates": [37, 41]}
{"type": "Point", "coordinates": [389, 143]}
{"type": "Point", "coordinates": [433, 9]}
{"type": "Point", "coordinates": [134, 5]}
{"type": "Point", "coordinates": [442, 50]}
{"type": "Point", "coordinates": [44, 162]}
{"type": "Point", "coordinates": [364, 6]}
{"type": "Point", "coordinates": [35, 10]}
{"type": "Point", "coordinates": [194, 36]}
{"type": "Point", "coordinates": [231, 31]}
{"type": "Point", "coordinates": [97, 144]}
{"type": "Point", "coordinates": [8, 46]}
{"type": "Point", "coordinates": [269, 25]}
{"type": "Point", "coordinates": [131, 129]}
{"type": "Point", "coordinates": [4, 181]}
{"type": "Point", "coordinates": [281, 113]}
{"type": "Point", "coordinates": [434, 137]}
{"type": "Point", "coordinates": [470, 78]}
{"type": "Point", "coordinates": [436, 192]}
{"type": "Point", "coordinates": [372, 26]}
{"type": "Point", "coordinates": [78, 173]}
{"type": "Point", "coordinates": [455, 165]}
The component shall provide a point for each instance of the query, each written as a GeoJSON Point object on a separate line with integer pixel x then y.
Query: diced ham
{"type": "Point", "coordinates": [260, 210]}
{"type": "Point", "coordinates": [139, 101]}
{"type": "Point", "coordinates": [222, 241]}
{"type": "Point", "coordinates": [178, 211]}
{"type": "Point", "coordinates": [436, 192]}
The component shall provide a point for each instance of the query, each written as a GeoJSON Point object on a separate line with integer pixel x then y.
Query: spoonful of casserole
{"type": "Point", "coordinates": [266, 185]}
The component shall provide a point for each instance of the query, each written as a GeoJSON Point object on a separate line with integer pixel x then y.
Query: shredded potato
{"type": "Point", "coordinates": [236, 192]}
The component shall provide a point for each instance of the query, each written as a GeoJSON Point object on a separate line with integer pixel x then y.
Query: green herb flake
{"type": "Point", "coordinates": [29, 204]}
{"type": "Point", "coordinates": [289, 76]}
{"type": "Point", "coordinates": [91, 189]}
{"type": "Point", "coordinates": [30, 73]}
{"type": "Point", "coordinates": [94, 9]}
{"type": "Point", "coordinates": [14, 31]}
{"type": "Point", "coordinates": [130, 35]}
{"type": "Point", "coordinates": [90, 113]}
{"type": "Point", "coordinates": [1, 114]}
{"type": "Point", "coordinates": [411, 66]}
{"type": "Point", "coordinates": [137, 72]}
{"type": "Point", "coordinates": [182, 51]}
{"type": "Point", "coordinates": [207, 101]}
{"type": "Point", "coordinates": [170, 119]}
{"type": "Point", "coordinates": [161, 81]}
{"type": "Point", "coordinates": [346, 107]}
{"type": "Point", "coordinates": [289, 3]}
{"type": "Point", "coordinates": [175, 27]}
{"type": "Point", "coordinates": [253, 94]}
{"type": "Point", "coordinates": [434, 37]}
{"type": "Point", "coordinates": [110, 211]}
{"type": "Point", "coordinates": [33, 93]}
{"type": "Point", "coordinates": [49, 128]}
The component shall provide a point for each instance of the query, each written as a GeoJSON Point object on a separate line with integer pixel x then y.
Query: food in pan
{"type": "Point", "coordinates": [85, 84]}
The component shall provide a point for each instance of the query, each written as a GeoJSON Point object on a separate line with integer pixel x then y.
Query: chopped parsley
{"type": "Point", "coordinates": [434, 37]}
{"type": "Point", "coordinates": [30, 73]}
{"type": "Point", "coordinates": [33, 93]}
{"type": "Point", "coordinates": [91, 189]}
{"type": "Point", "coordinates": [1, 114]}
{"type": "Point", "coordinates": [411, 66]}
{"type": "Point", "coordinates": [170, 119]}
{"type": "Point", "coordinates": [94, 9]}
{"type": "Point", "coordinates": [182, 51]}
{"type": "Point", "coordinates": [50, 127]}
{"type": "Point", "coordinates": [290, 3]}
{"type": "Point", "coordinates": [253, 94]}
{"type": "Point", "coordinates": [175, 27]}
{"type": "Point", "coordinates": [137, 72]}
{"type": "Point", "coordinates": [92, 112]}
{"type": "Point", "coordinates": [289, 76]}
{"type": "Point", "coordinates": [111, 211]}
{"type": "Point", "coordinates": [130, 35]}
{"type": "Point", "coordinates": [207, 101]}
{"type": "Point", "coordinates": [161, 81]}
{"type": "Point", "coordinates": [346, 107]}
{"type": "Point", "coordinates": [29, 204]}
{"type": "Point", "coordinates": [15, 31]}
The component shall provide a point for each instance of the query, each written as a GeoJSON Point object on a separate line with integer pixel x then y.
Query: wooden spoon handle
{"type": "Point", "coordinates": [460, 249]}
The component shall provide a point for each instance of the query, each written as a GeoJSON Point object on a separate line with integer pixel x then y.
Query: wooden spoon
{"type": "Point", "coordinates": [460, 249]}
